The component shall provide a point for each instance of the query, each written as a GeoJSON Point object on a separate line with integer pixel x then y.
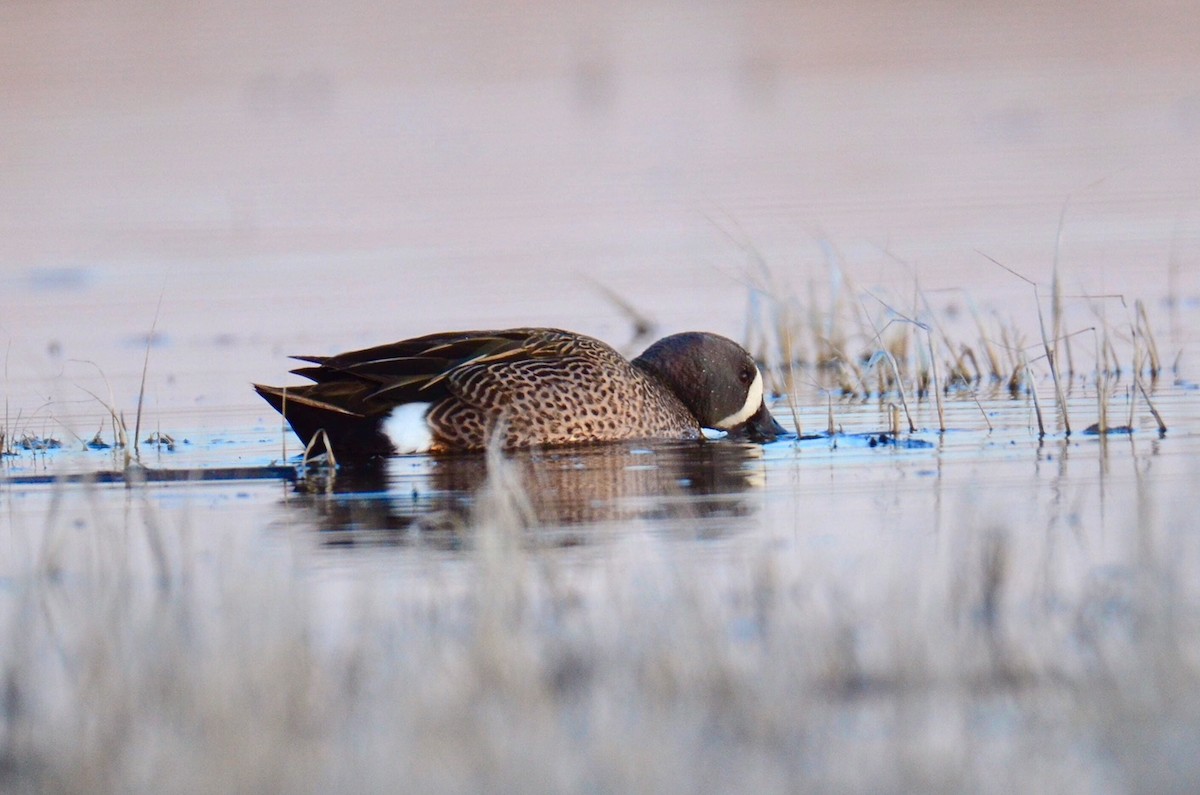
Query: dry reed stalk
{"type": "Point", "coordinates": [937, 390]}
{"type": "Point", "coordinates": [83, 445]}
{"type": "Point", "coordinates": [1056, 308]}
{"type": "Point", "coordinates": [751, 329]}
{"type": "Point", "coordinates": [900, 343]}
{"type": "Point", "coordinates": [835, 331]}
{"type": "Point", "coordinates": [933, 320]}
{"type": "Point", "coordinates": [120, 430]}
{"type": "Point", "coordinates": [1132, 404]}
{"type": "Point", "coordinates": [791, 385]}
{"type": "Point", "coordinates": [958, 370]}
{"type": "Point", "coordinates": [1051, 360]}
{"type": "Point", "coordinates": [1143, 329]}
{"type": "Point", "coordinates": [831, 428]}
{"type": "Point", "coordinates": [1059, 396]}
{"type": "Point", "coordinates": [137, 419]}
{"type": "Point", "coordinates": [120, 434]}
{"type": "Point", "coordinates": [1138, 386]}
{"type": "Point", "coordinates": [1013, 344]}
{"type": "Point", "coordinates": [1014, 380]}
{"type": "Point", "coordinates": [1101, 390]}
{"type": "Point", "coordinates": [823, 327]}
{"type": "Point", "coordinates": [1138, 327]}
{"type": "Point", "coordinates": [912, 428]}
{"type": "Point", "coordinates": [850, 373]}
{"type": "Point", "coordinates": [883, 350]}
{"type": "Point", "coordinates": [765, 334]}
{"type": "Point", "coordinates": [1112, 356]}
{"type": "Point", "coordinates": [982, 410]}
{"type": "Point", "coordinates": [1037, 404]}
{"type": "Point", "coordinates": [994, 368]}
{"type": "Point", "coordinates": [1056, 303]}
{"type": "Point", "coordinates": [1162, 426]}
{"type": "Point", "coordinates": [797, 351]}
{"type": "Point", "coordinates": [823, 355]}
{"type": "Point", "coordinates": [643, 325]}
{"type": "Point", "coordinates": [1103, 359]}
{"type": "Point", "coordinates": [969, 354]}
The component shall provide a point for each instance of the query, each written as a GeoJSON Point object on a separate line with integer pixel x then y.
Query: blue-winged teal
{"type": "Point", "coordinates": [447, 392]}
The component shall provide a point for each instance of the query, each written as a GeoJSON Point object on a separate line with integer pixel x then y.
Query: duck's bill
{"type": "Point", "coordinates": [760, 428]}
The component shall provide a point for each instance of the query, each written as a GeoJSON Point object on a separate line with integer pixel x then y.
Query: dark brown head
{"type": "Point", "coordinates": [716, 379]}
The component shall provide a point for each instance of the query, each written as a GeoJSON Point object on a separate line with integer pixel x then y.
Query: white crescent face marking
{"type": "Point", "coordinates": [407, 429]}
{"type": "Point", "coordinates": [753, 400]}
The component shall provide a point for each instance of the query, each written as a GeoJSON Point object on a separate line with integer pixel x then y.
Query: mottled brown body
{"type": "Point", "coordinates": [538, 386]}
{"type": "Point", "coordinates": [562, 389]}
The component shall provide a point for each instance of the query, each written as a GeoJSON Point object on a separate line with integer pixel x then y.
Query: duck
{"type": "Point", "coordinates": [530, 387]}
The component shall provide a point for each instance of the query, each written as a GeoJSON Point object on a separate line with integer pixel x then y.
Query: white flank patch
{"type": "Point", "coordinates": [407, 429]}
{"type": "Point", "coordinates": [712, 433]}
{"type": "Point", "coordinates": [753, 401]}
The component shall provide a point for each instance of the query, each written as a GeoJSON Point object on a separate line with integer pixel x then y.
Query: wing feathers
{"type": "Point", "coordinates": [422, 368]}
{"type": "Point", "coordinates": [542, 374]}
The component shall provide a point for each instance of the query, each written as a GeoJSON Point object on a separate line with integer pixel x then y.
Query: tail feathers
{"type": "Point", "coordinates": [351, 433]}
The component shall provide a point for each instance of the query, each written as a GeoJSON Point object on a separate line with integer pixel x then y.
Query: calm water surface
{"type": "Point", "coordinates": [859, 481]}
{"type": "Point", "coordinates": [984, 609]}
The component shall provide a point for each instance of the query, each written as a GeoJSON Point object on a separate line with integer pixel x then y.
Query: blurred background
{"type": "Point", "coordinates": [307, 177]}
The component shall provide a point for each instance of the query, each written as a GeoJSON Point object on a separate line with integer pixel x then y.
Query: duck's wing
{"type": "Point", "coordinates": [561, 389]}
{"type": "Point", "coordinates": [352, 391]}
{"type": "Point", "coordinates": [553, 373]}
{"type": "Point", "coordinates": [470, 365]}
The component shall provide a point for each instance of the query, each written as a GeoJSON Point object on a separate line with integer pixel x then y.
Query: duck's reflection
{"type": "Point", "coordinates": [697, 488]}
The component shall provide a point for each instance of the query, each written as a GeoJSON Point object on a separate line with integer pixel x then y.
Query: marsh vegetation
{"type": "Point", "coordinates": [1000, 606]}
{"type": "Point", "coordinates": [962, 239]}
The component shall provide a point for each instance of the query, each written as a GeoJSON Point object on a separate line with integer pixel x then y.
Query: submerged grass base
{"type": "Point", "coordinates": [132, 660]}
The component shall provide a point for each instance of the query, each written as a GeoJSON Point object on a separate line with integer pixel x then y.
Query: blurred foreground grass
{"type": "Point", "coordinates": [134, 658]}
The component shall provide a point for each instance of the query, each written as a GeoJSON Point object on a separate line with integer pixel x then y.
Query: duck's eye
{"type": "Point", "coordinates": [746, 376]}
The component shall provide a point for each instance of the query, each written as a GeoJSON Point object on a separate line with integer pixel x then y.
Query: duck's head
{"type": "Point", "coordinates": [717, 380]}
